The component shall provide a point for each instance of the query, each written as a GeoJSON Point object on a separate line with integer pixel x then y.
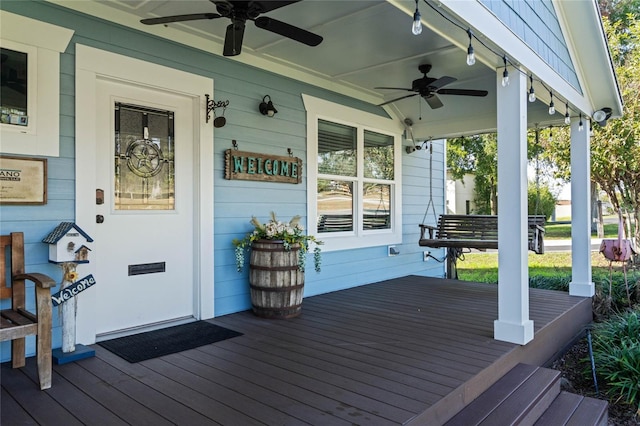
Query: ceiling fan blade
{"type": "Point", "coordinates": [463, 92]}
{"type": "Point", "coordinates": [287, 30]}
{"type": "Point", "coordinates": [397, 99]}
{"type": "Point", "coordinates": [233, 39]}
{"type": "Point", "coordinates": [395, 88]}
{"type": "Point", "coordinates": [433, 101]}
{"type": "Point", "coordinates": [442, 81]}
{"type": "Point", "coordinates": [267, 6]}
{"type": "Point", "coordinates": [179, 18]}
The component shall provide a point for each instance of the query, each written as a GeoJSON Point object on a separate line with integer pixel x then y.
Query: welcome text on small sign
{"type": "Point", "coordinates": [73, 290]}
{"type": "Point", "coordinates": [243, 165]}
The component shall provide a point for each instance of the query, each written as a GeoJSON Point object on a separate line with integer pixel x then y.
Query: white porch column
{"type": "Point", "coordinates": [513, 324]}
{"type": "Point", "coordinates": [581, 281]}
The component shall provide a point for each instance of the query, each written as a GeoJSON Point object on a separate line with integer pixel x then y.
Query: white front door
{"type": "Point", "coordinates": [144, 193]}
{"type": "Point", "coordinates": [144, 178]}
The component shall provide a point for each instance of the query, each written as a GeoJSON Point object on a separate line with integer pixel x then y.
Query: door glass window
{"type": "Point", "coordinates": [13, 92]}
{"type": "Point", "coordinates": [144, 158]}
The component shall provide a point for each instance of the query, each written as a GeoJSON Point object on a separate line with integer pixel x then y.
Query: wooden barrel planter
{"type": "Point", "coordinates": [276, 282]}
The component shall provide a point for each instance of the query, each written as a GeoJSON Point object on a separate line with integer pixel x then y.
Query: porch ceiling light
{"type": "Point", "coordinates": [266, 107]}
{"type": "Point", "coordinates": [416, 27]}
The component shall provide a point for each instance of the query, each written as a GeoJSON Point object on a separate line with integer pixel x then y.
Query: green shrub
{"type": "Point", "coordinates": [558, 282]}
{"type": "Point", "coordinates": [618, 289]}
{"type": "Point", "coordinates": [616, 350]}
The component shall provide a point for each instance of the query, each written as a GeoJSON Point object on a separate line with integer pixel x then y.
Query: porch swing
{"type": "Point", "coordinates": [457, 233]}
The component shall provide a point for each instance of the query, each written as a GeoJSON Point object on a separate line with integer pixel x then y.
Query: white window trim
{"type": "Point", "coordinates": [321, 109]}
{"type": "Point", "coordinates": [43, 44]}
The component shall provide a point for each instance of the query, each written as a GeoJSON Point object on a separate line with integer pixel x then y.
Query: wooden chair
{"type": "Point", "coordinates": [17, 322]}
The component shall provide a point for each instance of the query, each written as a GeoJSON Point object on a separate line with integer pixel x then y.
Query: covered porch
{"type": "Point", "coordinates": [408, 350]}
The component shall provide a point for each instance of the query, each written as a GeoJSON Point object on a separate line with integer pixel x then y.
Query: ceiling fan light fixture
{"type": "Point", "coordinates": [416, 27]}
{"type": "Point", "coordinates": [429, 88]}
{"type": "Point", "coordinates": [267, 108]}
{"type": "Point", "coordinates": [239, 12]}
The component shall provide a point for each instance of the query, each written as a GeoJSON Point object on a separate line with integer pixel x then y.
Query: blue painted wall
{"type": "Point", "coordinates": [235, 201]}
{"type": "Point", "coordinates": [536, 23]}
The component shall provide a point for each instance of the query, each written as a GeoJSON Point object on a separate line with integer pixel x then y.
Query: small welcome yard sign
{"type": "Point", "coordinates": [72, 290]}
{"type": "Point", "coordinates": [243, 165]}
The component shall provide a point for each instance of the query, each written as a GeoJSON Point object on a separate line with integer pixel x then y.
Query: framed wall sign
{"type": "Point", "coordinates": [23, 180]}
{"type": "Point", "coordinates": [243, 165]}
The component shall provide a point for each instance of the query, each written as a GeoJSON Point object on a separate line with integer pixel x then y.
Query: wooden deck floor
{"type": "Point", "coordinates": [410, 350]}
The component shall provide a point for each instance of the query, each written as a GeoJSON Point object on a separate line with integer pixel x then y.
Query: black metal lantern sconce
{"type": "Point", "coordinates": [211, 106]}
{"type": "Point", "coordinates": [266, 107]}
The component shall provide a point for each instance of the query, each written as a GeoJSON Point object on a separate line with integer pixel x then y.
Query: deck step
{"type": "Point", "coordinates": [571, 409]}
{"type": "Point", "coordinates": [529, 395]}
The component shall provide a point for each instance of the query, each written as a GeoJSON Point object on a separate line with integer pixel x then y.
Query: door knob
{"type": "Point", "coordinates": [99, 218]}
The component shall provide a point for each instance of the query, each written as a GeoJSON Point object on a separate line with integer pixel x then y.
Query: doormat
{"type": "Point", "coordinates": [152, 344]}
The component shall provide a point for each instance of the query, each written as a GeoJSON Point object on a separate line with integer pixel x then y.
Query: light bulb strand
{"type": "Point", "coordinates": [471, 56]}
{"type": "Point", "coordinates": [505, 73]}
{"type": "Point", "coordinates": [416, 26]}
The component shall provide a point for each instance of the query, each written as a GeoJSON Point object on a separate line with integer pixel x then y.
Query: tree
{"type": "Point", "coordinates": [615, 148]}
{"type": "Point", "coordinates": [477, 155]}
{"type": "Point", "coordinates": [540, 200]}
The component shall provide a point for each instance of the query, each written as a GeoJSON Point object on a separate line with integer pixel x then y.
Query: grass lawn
{"type": "Point", "coordinates": [563, 231]}
{"type": "Point", "coordinates": [483, 267]}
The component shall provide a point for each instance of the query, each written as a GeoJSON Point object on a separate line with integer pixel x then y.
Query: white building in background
{"type": "Point", "coordinates": [460, 194]}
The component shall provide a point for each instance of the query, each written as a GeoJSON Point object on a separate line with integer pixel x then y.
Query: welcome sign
{"type": "Point", "coordinates": [72, 290]}
{"type": "Point", "coordinates": [243, 165]}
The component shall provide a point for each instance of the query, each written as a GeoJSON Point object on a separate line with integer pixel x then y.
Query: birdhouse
{"type": "Point", "coordinates": [68, 243]}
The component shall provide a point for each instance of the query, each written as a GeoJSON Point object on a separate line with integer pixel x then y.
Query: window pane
{"type": "Point", "coordinates": [378, 155]}
{"type": "Point", "coordinates": [335, 206]}
{"type": "Point", "coordinates": [144, 159]}
{"type": "Point", "coordinates": [377, 206]}
{"type": "Point", "coordinates": [13, 92]}
{"type": "Point", "coordinates": [336, 149]}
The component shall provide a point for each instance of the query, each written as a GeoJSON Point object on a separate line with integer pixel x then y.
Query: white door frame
{"type": "Point", "coordinates": [92, 64]}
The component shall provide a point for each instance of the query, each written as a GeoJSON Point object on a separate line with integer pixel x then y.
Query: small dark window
{"type": "Point", "coordinates": [13, 94]}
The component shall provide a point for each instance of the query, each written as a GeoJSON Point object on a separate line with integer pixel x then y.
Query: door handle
{"type": "Point", "coordinates": [99, 218]}
{"type": "Point", "coordinates": [99, 196]}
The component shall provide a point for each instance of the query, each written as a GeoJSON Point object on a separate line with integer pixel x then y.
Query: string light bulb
{"type": "Point", "coordinates": [567, 119]}
{"type": "Point", "coordinates": [416, 27]}
{"type": "Point", "coordinates": [532, 93]}
{"type": "Point", "coordinates": [580, 124]}
{"type": "Point", "coordinates": [471, 56]}
{"type": "Point", "coordinates": [505, 73]}
{"type": "Point", "coordinates": [552, 108]}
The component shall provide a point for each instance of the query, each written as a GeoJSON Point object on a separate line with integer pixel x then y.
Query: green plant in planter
{"type": "Point", "coordinates": [290, 233]}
